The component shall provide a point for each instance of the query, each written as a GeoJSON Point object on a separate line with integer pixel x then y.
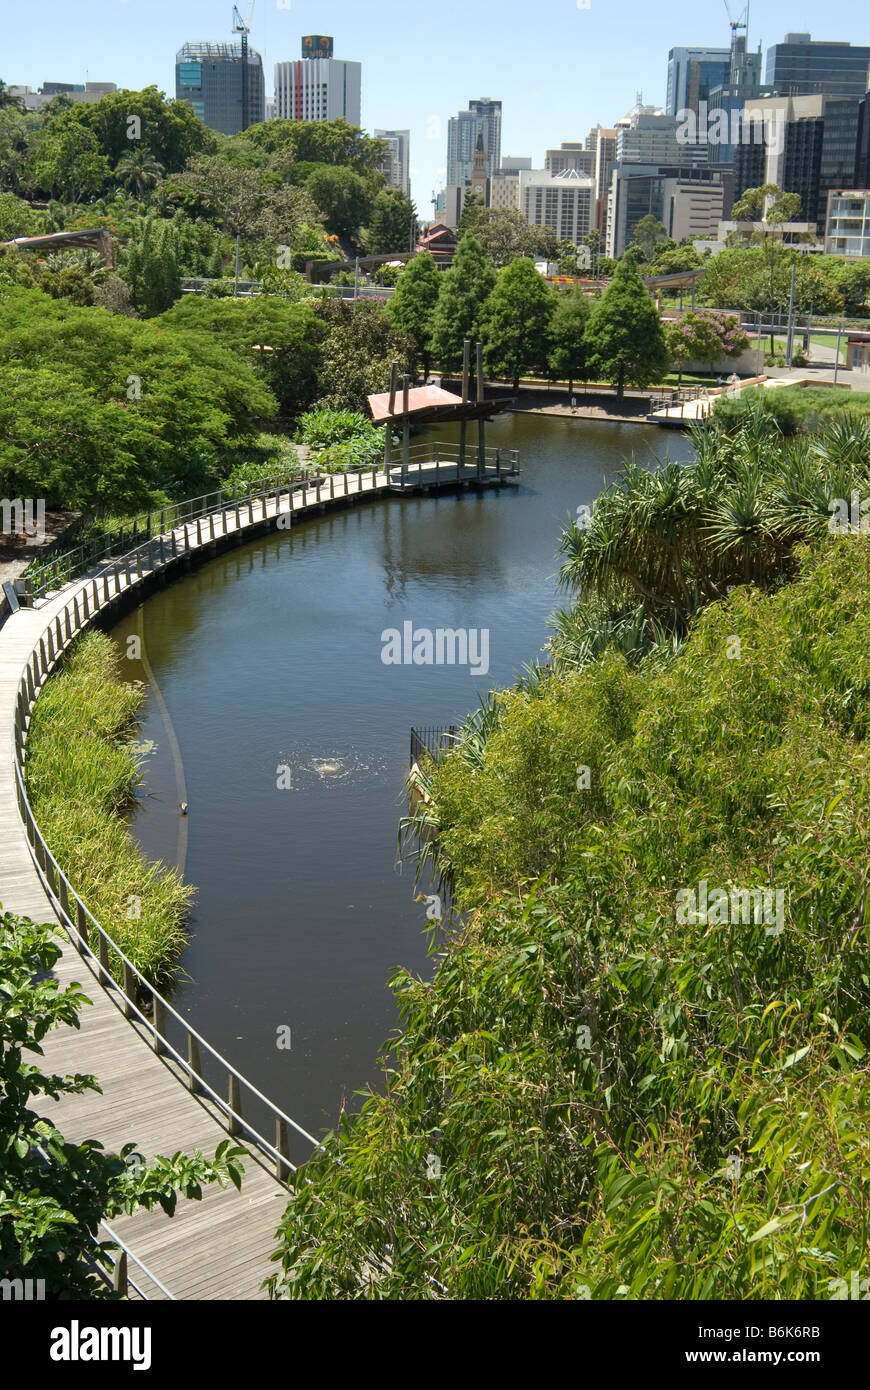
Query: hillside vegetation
{"type": "Point", "coordinates": [623, 1102]}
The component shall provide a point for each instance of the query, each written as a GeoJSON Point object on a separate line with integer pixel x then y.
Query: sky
{"type": "Point", "coordinates": [558, 66]}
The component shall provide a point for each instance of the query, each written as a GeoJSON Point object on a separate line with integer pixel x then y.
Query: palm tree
{"type": "Point", "coordinates": [138, 171]}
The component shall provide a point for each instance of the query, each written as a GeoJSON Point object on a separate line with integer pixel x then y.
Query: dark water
{"type": "Point", "coordinates": [271, 655]}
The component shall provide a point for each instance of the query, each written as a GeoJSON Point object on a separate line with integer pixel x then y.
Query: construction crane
{"type": "Point", "coordinates": [742, 22]}
{"type": "Point", "coordinates": [243, 27]}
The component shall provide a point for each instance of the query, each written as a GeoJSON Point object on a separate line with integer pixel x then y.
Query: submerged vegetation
{"type": "Point", "coordinates": [82, 768]}
{"type": "Point", "coordinates": [601, 1093]}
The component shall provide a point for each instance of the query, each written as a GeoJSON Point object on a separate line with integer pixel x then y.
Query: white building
{"type": "Point", "coordinates": [396, 168]}
{"type": "Point", "coordinates": [847, 225]}
{"type": "Point", "coordinates": [318, 89]}
{"type": "Point", "coordinates": [565, 202]}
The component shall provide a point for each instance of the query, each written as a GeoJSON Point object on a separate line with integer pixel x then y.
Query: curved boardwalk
{"type": "Point", "coordinates": [217, 1248]}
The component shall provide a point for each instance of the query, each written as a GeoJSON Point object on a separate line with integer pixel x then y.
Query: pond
{"type": "Point", "coordinates": [268, 663]}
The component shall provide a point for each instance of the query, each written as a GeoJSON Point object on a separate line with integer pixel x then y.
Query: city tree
{"type": "Point", "coordinates": [412, 306]}
{"type": "Point", "coordinates": [568, 350]}
{"type": "Point", "coordinates": [393, 223]}
{"type": "Point", "coordinates": [465, 288]}
{"type": "Point", "coordinates": [624, 335]}
{"type": "Point", "coordinates": [515, 323]}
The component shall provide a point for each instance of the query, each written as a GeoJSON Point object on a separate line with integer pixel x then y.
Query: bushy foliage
{"type": "Point", "coordinates": [54, 1193]}
{"type": "Point", "coordinates": [101, 410]}
{"type": "Point", "coordinates": [594, 1098]}
{"type": "Point", "coordinates": [340, 440]}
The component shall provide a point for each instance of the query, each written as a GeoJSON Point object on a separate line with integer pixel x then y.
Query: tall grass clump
{"type": "Point", "coordinates": [82, 770]}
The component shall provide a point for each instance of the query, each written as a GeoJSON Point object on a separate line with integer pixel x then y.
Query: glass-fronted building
{"type": "Point", "coordinates": [211, 78]}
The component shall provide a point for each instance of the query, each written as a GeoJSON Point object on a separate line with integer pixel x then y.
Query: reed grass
{"type": "Point", "coordinates": [82, 772]}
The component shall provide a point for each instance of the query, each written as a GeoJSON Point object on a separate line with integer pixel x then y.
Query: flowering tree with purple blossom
{"type": "Point", "coordinates": [704, 335]}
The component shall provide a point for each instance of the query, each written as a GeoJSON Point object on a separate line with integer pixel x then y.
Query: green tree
{"type": "Point", "coordinates": [318, 142]}
{"type": "Point", "coordinates": [16, 139]}
{"type": "Point", "coordinates": [651, 237]}
{"type": "Point", "coordinates": [465, 288]}
{"type": "Point", "coordinates": [357, 353]}
{"type": "Point", "coordinates": [624, 334]}
{"type": "Point", "coordinates": [472, 206]}
{"type": "Point", "coordinates": [18, 218]}
{"type": "Point", "coordinates": [568, 353]}
{"type": "Point", "coordinates": [53, 1193]}
{"type": "Point", "coordinates": [291, 332]}
{"type": "Point", "coordinates": [170, 130]}
{"type": "Point", "coordinates": [412, 306]}
{"type": "Point", "coordinates": [344, 198]}
{"type": "Point", "coordinates": [138, 171]}
{"type": "Point", "coordinates": [151, 267]}
{"type": "Point", "coordinates": [515, 324]}
{"type": "Point", "coordinates": [67, 162]}
{"type": "Point", "coordinates": [505, 236]}
{"type": "Point", "coordinates": [393, 223]}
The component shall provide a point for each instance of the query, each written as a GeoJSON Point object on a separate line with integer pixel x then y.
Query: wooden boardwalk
{"type": "Point", "coordinates": [217, 1248]}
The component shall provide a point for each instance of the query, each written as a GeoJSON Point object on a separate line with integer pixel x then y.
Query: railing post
{"type": "Point", "coordinates": [194, 1064]}
{"type": "Point", "coordinates": [119, 1274]}
{"type": "Point", "coordinates": [129, 989]}
{"type": "Point", "coordinates": [159, 1025]}
{"type": "Point", "coordinates": [103, 953]}
{"type": "Point", "coordinates": [82, 922]}
{"type": "Point", "coordinates": [235, 1101]}
{"type": "Point", "coordinates": [282, 1144]}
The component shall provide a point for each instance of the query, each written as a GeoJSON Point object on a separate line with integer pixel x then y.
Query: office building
{"type": "Point", "coordinates": [227, 94]}
{"type": "Point", "coordinates": [648, 136]}
{"type": "Point", "coordinates": [318, 87]}
{"type": "Point", "coordinates": [605, 158]}
{"type": "Point", "coordinates": [847, 223]}
{"type": "Point", "coordinates": [396, 167]}
{"type": "Point", "coordinates": [689, 200]}
{"type": "Point", "coordinates": [802, 66]}
{"type": "Point", "coordinates": [483, 117]}
{"type": "Point", "coordinates": [804, 144]}
{"type": "Point", "coordinates": [571, 155]}
{"type": "Point", "coordinates": [565, 202]}
{"type": "Point", "coordinates": [76, 91]}
{"type": "Point", "coordinates": [692, 75]}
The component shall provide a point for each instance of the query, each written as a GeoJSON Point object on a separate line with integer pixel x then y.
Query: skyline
{"type": "Point", "coordinates": [504, 43]}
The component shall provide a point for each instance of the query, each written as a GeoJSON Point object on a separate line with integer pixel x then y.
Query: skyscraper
{"type": "Point", "coordinates": [318, 87]}
{"type": "Point", "coordinates": [209, 77]}
{"type": "Point", "coordinates": [801, 65]}
{"type": "Point", "coordinates": [692, 75]}
{"type": "Point", "coordinates": [483, 117]}
{"type": "Point", "coordinates": [396, 166]}
{"type": "Point", "coordinates": [805, 144]}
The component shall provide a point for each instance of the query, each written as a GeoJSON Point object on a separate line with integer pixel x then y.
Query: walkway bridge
{"type": "Point", "coordinates": [163, 1086]}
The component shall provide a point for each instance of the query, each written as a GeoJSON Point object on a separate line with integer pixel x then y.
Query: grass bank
{"type": "Point", "coordinates": [82, 769]}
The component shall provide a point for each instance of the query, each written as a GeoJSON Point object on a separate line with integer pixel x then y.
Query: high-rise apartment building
{"type": "Point", "coordinates": [847, 224]}
{"type": "Point", "coordinates": [396, 167]}
{"type": "Point", "coordinates": [483, 117]}
{"type": "Point", "coordinates": [318, 87]}
{"type": "Point", "coordinates": [803, 66]}
{"type": "Point", "coordinates": [211, 77]}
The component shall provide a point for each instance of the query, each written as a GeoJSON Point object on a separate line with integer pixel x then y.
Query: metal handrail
{"type": "Point", "coordinates": [95, 594]}
{"type": "Point", "coordinates": [44, 656]}
{"type": "Point", "coordinates": [67, 564]}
